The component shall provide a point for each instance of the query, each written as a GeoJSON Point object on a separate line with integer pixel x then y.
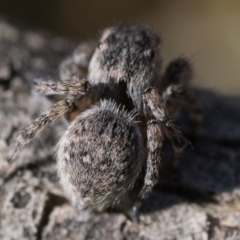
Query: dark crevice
{"type": "Point", "coordinates": [52, 202]}
{"type": "Point", "coordinates": [33, 167]}
{"type": "Point", "coordinates": [122, 227]}
{"type": "Point", "coordinates": [6, 83]}
{"type": "Point", "coordinates": [213, 222]}
{"type": "Point", "coordinates": [234, 144]}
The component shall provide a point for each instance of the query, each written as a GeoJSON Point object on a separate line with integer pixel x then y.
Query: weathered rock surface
{"type": "Point", "coordinates": [199, 200]}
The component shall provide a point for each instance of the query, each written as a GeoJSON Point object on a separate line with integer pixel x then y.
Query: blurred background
{"type": "Point", "coordinates": [205, 31]}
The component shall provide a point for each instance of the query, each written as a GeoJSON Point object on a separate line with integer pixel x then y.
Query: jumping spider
{"type": "Point", "coordinates": [105, 148]}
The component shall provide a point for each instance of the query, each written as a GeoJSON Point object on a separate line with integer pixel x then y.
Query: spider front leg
{"type": "Point", "coordinates": [71, 89]}
{"type": "Point", "coordinates": [39, 123]}
{"type": "Point", "coordinates": [178, 71]}
{"type": "Point", "coordinates": [175, 83]}
{"type": "Point", "coordinates": [77, 64]}
{"type": "Point", "coordinates": [180, 93]}
{"type": "Point", "coordinates": [157, 108]}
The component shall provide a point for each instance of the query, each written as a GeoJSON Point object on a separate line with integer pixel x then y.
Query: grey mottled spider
{"type": "Point", "coordinates": [105, 148]}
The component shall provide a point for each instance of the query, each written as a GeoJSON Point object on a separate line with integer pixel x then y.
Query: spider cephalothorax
{"type": "Point", "coordinates": [103, 151]}
{"type": "Point", "coordinates": [126, 53]}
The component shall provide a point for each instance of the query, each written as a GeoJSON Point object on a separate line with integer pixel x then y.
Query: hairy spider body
{"type": "Point", "coordinates": [103, 151]}
{"type": "Point", "coordinates": [93, 165]}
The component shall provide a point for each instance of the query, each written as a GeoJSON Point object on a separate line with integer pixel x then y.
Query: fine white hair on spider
{"type": "Point", "coordinates": [120, 106]}
{"type": "Point", "coordinates": [105, 144]}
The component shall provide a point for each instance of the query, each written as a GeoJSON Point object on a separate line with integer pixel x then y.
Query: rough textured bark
{"type": "Point", "coordinates": [199, 200]}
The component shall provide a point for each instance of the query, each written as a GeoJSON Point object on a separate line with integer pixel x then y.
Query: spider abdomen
{"type": "Point", "coordinates": [100, 156]}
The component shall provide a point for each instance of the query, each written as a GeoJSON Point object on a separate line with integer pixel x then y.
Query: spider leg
{"type": "Point", "coordinates": [77, 64]}
{"type": "Point", "coordinates": [157, 108]}
{"type": "Point", "coordinates": [178, 71]}
{"type": "Point", "coordinates": [73, 88]}
{"type": "Point", "coordinates": [83, 53]}
{"type": "Point", "coordinates": [154, 142]}
{"type": "Point", "coordinates": [38, 124]}
{"type": "Point", "coordinates": [180, 93]}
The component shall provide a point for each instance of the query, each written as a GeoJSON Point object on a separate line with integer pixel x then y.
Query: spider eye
{"type": "Point", "coordinates": [150, 53]}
